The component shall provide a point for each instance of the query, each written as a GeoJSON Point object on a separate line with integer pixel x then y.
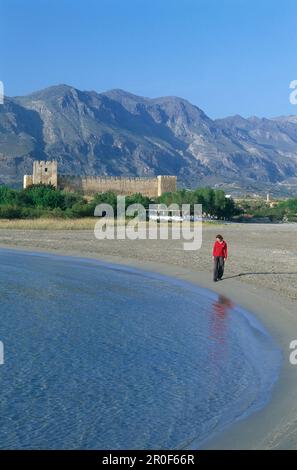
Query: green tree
{"type": "Point", "coordinates": [8, 195]}
{"type": "Point", "coordinates": [44, 196]}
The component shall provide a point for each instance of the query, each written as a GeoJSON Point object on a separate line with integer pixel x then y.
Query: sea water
{"type": "Point", "coordinates": [100, 356]}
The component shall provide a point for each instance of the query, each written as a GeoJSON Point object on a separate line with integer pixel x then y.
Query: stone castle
{"type": "Point", "coordinates": [47, 173]}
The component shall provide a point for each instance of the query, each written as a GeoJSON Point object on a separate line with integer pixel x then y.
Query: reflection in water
{"type": "Point", "coordinates": [219, 338]}
{"type": "Point", "coordinates": [222, 305]}
{"type": "Point", "coordinates": [219, 319]}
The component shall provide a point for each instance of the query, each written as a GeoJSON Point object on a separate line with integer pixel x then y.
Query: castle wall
{"type": "Point", "coordinates": [150, 187]}
{"type": "Point", "coordinates": [166, 184]}
{"type": "Point", "coordinates": [47, 173]}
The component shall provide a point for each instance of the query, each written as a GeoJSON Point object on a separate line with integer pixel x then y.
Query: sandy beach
{"type": "Point", "coordinates": [260, 277]}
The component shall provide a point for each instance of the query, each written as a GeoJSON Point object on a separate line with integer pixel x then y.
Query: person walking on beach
{"type": "Point", "coordinates": [219, 255]}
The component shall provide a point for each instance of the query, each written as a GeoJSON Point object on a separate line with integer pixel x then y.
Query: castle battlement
{"type": "Point", "coordinates": [46, 172]}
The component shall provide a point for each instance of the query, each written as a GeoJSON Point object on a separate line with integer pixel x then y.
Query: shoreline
{"type": "Point", "coordinates": [275, 426]}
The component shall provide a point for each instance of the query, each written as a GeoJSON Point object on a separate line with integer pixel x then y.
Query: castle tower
{"type": "Point", "coordinates": [166, 184]}
{"type": "Point", "coordinates": [28, 181]}
{"type": "Point", "coordinates": [45, 173]}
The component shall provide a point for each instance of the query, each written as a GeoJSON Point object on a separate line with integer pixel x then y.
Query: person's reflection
{"type": "Point", "coordinates": [218, 337]}
{"type": "Point", "coordinates": [219, 315]}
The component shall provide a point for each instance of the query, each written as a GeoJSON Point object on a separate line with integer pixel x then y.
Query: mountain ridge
{"type": "Point", "coordinates": [118, 133]}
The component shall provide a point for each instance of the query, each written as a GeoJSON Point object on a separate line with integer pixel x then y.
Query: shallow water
{"type": "Point", "coordinates": [107, 357]}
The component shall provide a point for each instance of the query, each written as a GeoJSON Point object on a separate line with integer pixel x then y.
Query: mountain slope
{"type": "Point", "coordinates": [118, 133]}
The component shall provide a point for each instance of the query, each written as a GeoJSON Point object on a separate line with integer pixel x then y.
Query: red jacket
{"type": "Point", "coordinates": [220, 249]}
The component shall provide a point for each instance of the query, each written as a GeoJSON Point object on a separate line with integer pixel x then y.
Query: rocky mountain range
{"type": "Point", "coordinates": [118, 133]}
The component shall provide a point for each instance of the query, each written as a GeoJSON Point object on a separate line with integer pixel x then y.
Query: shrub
{"type": "Point", "coordinates": [72, 198]}
{"type": "Point", "coordinates": [8, 196]}
{"type": "Point", "coordinates": [10, 212]}
{"type": "Point", "coordinates": [43, 196]}
{"type": "Point", "coordinates": [80, 210]}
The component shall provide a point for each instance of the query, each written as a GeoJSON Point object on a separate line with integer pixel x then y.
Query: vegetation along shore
{"type": "Point", "coordinates": [43, 201]}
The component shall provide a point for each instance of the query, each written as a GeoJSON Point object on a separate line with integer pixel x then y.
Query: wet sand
{"type": "Point", "coordinates": [260, 276]}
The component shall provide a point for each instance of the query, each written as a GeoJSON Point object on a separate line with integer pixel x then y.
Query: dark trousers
{"type": "Point", "coordinates": [218, 267]}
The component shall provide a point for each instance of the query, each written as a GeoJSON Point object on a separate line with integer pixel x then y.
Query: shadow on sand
{"type": "Point", "coordinates": [259, 273]}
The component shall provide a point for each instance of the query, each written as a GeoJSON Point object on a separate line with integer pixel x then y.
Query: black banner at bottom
{"type": "Point", "coordinates": [136, 459]}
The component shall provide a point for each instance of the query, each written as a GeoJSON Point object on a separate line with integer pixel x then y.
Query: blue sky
{"type": "Point", "coordinates": [226, 56]}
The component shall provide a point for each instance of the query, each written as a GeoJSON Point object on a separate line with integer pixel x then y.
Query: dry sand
{"type": "Point", "coordinates": [260, 276]}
